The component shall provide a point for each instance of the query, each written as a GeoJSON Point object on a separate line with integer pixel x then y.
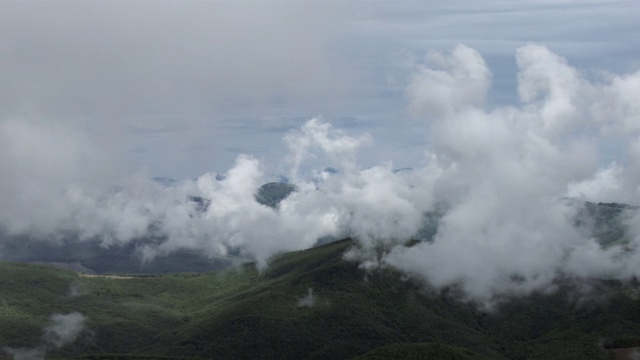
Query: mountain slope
{"type": "Point", "coordinates": [420, 351]}
{"type": "Point", "coordinates": [307, 304]}
{"type": "Point", "coordinates": [349, 316]}
{"type": "Point", "coordinates": [604, 221]}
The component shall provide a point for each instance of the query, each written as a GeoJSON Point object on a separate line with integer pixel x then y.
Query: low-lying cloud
{"type": "Point", "coordinates": [63, 329]}
{"type": "Point", "coordinates": [507, 173]}
{"type": "Point", "coordinates": [308, 300]}
{"type": "Point", "coordinates": [509, 177]}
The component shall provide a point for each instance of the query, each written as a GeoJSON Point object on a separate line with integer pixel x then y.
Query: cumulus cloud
{"type": "Point", "coordinates": [374, 204]}
{"type": "Point", "coordinates": [449, 82]}
{"type": "Point", "coordinates": [509, 228]}
{"type": "Point", "coordinates": [66, 196]}
{"type": "Point", "coordinates": [504, 175]}
{"type": "Point", "coordinates": [333, 143]}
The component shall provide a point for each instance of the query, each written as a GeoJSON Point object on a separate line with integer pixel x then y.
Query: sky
{"type": "Point", "coordinates": [506, 112]}
{"type": "Point", "coordinates": [180, 88]}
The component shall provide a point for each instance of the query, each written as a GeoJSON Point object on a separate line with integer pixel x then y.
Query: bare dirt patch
{"type": "Point", "coordinates": [107, 276]}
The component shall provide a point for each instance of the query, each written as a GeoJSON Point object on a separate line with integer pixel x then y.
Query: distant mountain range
{"type": "Point", "coordinates": [603, 221]}
{"type": "Point", "coordinates": [95, 259]}
{"type": "Point", "coordinates": [271, 194]}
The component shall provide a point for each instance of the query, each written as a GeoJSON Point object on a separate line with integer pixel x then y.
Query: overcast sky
{"type": "Point", "coordinates": [179, 88]}
{"type": "Point", "coordinates": [505, 110]}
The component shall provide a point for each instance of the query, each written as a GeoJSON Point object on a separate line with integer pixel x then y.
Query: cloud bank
{"type": "Point", "coordinates": [509, 170]}
{"type": "Point", "coordinates": [506, 176]}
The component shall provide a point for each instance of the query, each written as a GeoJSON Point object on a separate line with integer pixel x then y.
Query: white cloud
{"type": "Point", "coordinates": [93, 71]}
{"type": "Point", "coordinates": [309, 300]}
{"type": "Point", "coordinates": [509, 228]}
{"type": "Point", "coordinates": [459, 80]}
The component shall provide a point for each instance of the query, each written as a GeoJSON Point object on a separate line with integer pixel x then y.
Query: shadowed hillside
{"type": "Point", "coordinates": [308, 304]}
{"type": "Point", "coordinates": [420, 351]}
{"type": "Point", "coordinates": [603, 221]}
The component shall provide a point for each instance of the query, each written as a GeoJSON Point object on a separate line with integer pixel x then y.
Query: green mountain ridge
{"type": "Point", "coordinates": [604, 221]}
{"type": "Point", "coordinates": [271, 194]}
{"type": "Point", "coordinates": [69, 252]}
{"type": "Point", "coordinates": [241, 313]}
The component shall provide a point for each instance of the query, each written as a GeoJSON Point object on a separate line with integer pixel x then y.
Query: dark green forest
{"type": "Point", "coordinates": [309, 304]}
{"type": "Point", "coordinates": [241, 313]}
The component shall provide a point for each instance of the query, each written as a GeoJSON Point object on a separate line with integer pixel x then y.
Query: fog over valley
{"type": "Point", "coordinates": [511, 178]}
{"type": "Point", "coordinates": [487, 151]}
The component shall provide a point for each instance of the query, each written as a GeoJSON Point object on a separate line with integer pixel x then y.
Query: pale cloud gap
{"type": "Point", "coordinates": [504, 174]}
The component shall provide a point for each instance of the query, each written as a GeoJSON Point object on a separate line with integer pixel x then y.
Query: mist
{"type": "Point", "coordinates": [309, 300]}
{"type": "Point", "coordinates": [63, 329]}
{"type": "Point", "coordinates": [510, 174]}
{"type": "Point", "coordinates": [508, 180]}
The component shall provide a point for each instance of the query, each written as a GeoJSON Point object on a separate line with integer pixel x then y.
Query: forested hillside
{"type": "Point", "coordinates": [307, 304]}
